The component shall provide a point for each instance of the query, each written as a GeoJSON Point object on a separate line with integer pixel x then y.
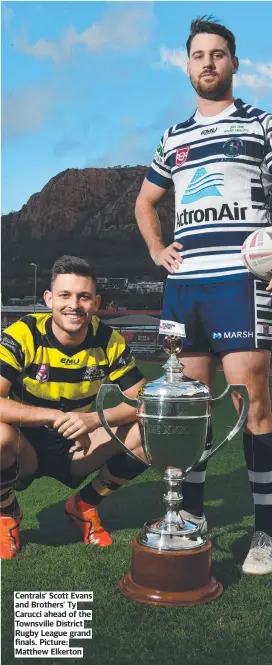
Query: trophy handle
{"type": "Point", "coordinates": [107, 388]}
{"type": "Point", "coordinates": [243, 415]}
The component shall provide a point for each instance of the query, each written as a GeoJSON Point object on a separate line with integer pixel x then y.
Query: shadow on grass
{"type": "Point", "coordinates": [240, 547]}
{"type": "Point", "coordinates": [142, 501]}
{"type": "Point", "coordinates": [126, 511]}
{"type": "Point", "coordinates": [227, 572]}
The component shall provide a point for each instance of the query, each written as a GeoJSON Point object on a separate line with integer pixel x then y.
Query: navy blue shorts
{"type": "Point", "coordinates": [218, 317]}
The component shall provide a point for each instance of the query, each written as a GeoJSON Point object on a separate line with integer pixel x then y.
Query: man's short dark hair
{"type": "Point", "coordinates": [210, 25]}
{"type": "Point", "coordinates": [72, 265]}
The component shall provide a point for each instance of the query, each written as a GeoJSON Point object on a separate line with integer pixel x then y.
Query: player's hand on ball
{"type": "Point", "coordinates": [81, 444]}
{"type": "Point", "coordinates": [269, 287]}
{"type": "Point", "coordinates": [168, 257]}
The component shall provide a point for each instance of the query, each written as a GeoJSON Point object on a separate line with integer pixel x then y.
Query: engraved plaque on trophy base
{"type": "Point", "coordinates": [170, 577]}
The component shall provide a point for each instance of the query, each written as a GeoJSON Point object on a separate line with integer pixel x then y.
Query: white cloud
{"type": "Point", "coordinates": [119, 28]}
{"type": "Point", "coordinates": [262, 68]}
{"type": "Point", "coordinates": [8, 15]}
{"type": "Point", "coordinates": [175, 57]}
{"type": "Point", "coordinates": [26, 110]}
{"type": "Point", "coordinates": [254, 75]}
{"type": "Point", "coordinates": [245, 61]}
{"type": "Point", "coordinates": [257, 83]}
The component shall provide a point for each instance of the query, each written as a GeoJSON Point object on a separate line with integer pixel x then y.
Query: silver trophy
{"type": "Point", "coordinates": [174, 414]}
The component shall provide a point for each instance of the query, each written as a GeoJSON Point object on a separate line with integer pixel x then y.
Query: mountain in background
{"type": "Point", "coordinates": [84, 212]}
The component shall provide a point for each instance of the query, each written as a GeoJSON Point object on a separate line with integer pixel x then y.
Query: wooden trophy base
{"type": "Point", "coordinates": [170, 577]}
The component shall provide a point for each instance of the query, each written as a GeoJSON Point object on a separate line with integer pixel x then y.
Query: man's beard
{"type": "Point", "coordinates": [69, 330]}
{"type": "Point", "coordinates": [212, 92]}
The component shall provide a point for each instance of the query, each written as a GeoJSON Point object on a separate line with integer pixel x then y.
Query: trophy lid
{"type": "Point", "coordinates": [174, 384]}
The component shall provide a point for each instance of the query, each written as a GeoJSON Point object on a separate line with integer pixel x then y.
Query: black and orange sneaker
{"type": "Point", "coordinates": [9, 534]}
{"type": "Point", "coordinates": [88, 522]}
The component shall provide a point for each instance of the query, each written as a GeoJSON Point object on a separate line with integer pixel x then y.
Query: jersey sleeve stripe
{"type": "Point", "coordinates": [9, 343]}
{"type": "Point", "coordinates": [8, 372]}
{"type": "Point", "coordinates": [7, 357]}
{"type": "Point", "coordinates": [129, 379]}
{"type": "Point", "coordinates": [22, 336]}
{"type": "Point", "coordinates": [124, 358]}
{"type": "Point", "coordinates": [118, 373]}
{"type": "Point", "coordinates": [157, 179]}
{"type": "Point", "coordinates": [165, 170]}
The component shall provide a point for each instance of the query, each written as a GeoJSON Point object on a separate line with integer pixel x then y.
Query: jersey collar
{"type": "Point", "coordinates": [68, 350]}
{"type": "Point", "coordinates": [208, 120]}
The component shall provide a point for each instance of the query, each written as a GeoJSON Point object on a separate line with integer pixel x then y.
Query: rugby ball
{"type": "Point", "coordinates": [257, 253]}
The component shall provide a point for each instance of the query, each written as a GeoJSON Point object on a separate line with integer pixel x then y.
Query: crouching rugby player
{"type": "Point", "coordinates": [52, 366]}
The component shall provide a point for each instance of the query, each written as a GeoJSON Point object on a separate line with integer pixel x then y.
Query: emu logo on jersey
{"type": "Point", "coordinates": [70, 361]}
{"type": "Point", "coordinates": [182, 155]}
{"type": "Point", "coordinates": [43, 373]}
{"type": "Point", "coordinates": [210, 131]}
{"type": "Point", "coordinates": [203, 184]}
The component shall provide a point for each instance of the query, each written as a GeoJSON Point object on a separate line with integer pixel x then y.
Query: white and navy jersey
{"type": "Point", "coordinates": [221, 168]}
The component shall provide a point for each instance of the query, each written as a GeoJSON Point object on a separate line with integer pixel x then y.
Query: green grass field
{"type": "Point", "coordinates": [234, 630]}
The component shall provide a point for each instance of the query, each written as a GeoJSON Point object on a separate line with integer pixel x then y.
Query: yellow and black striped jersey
{"type": "Point", "coordinates": [43, 371]}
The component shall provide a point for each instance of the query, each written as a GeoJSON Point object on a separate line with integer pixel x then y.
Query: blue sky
{"type": "Point", "coordinates": [95, 84]}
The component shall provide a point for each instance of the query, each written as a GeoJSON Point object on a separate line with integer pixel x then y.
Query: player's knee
{"type": "Point", "coordinates": [135, 443]}
{"type": "Point", "coordinates": [259, 410]}
{"type": "Point", "coordinates": [8, 440]}
{"type": "Point", "coordinates": [139, 451]}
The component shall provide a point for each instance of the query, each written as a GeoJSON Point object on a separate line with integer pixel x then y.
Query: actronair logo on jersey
{"type": "Point", "coordinates": [203, 184]}
{"type": "Point", "coordinates": [231, 212]}
{"type": "Point", "coordinates": [239, 334]}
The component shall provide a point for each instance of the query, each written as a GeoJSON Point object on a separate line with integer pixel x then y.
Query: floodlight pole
{"type": "Point", "coordinates": [35, 266]}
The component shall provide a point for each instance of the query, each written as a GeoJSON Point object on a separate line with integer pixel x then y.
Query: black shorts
{"type": "Point", "coordinates": [54, 458]}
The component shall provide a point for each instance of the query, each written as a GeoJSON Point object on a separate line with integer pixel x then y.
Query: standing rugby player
{"type": "Point", "coordinates": [220, 162]}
